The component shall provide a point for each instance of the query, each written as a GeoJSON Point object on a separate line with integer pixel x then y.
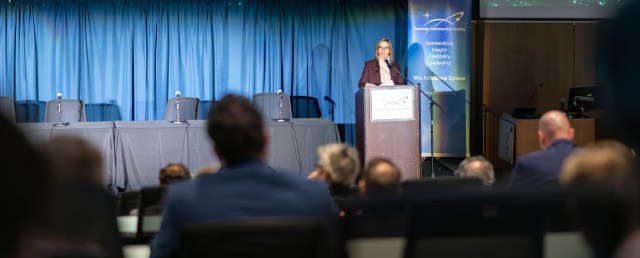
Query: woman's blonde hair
{"type": "Point", "coordinates": [390, 49]}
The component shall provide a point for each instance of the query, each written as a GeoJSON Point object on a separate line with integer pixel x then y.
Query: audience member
{"type": "Point", "coordinates": [607, 164]}
{"type": "Point", "coordinates": [173, 172]}
{"type": "Point", "coordinates": [541, 168]}
{"type": "Point", "coordinates": [24, 186]}
{"type": "Point", "coordinates": [81, 217]}
{"type": "Point", "coordinates": [244, 187]}
{"type": "Point", "coordinates": [477, 167]}
{"type": "Point", "coordinates": [338, 165]}
{"type": "Point", "coordinates": [381, 179]}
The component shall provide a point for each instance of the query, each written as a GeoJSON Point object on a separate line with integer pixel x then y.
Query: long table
{"type": "Point", "coordinates": [135, 151]}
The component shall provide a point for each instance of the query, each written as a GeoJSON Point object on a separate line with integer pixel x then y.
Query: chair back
{"type": "Point", "coordinates": [103, 112]}
{"type": "Point", "coordinates": [72, 110]}
{"type": "Point", "coordinates": [256, 238]}
{"type": "Point", "coordinates": [149, 208]}
{"type": "Point", "coordinates": [30, 111]}
{"type": "Point", "coordinates": [188, 109]}
{"type": "Point", "coordinates": [419, 187]}
{"type": "Point", "coordinates": [126, 202]}
{"type": "Point", "coordinates": [305, 107]}
{"type": "Point", "coordinates": [204, 107]}
{"type": "Point", "coordinates": [7, 108]}
{"type": "Point", "coordinates": [269, 105]}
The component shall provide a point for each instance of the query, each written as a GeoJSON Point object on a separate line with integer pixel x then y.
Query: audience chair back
{"type": "Point", "coordinates": [30, 111]}
{"type": "Point", "coordinates": [7, 108]}
{"type": "Point", "coordinates": [305, 107]}
{"type": "Point", "coordinates": [257, 238]}
{"type": "Point", "coordinates": [126, 202]}
{"type": "Point", "coordinates": [268, 104]}
{"type": "Point", "coordinates": [72, 110]}
{"type": "Point", "coordinates": [188, 109]}
{"type": "Point", "coordinates": [494, 223]}
{"type": "Point", "coordinates": [149, 209]}
{"type": "Point", "coordinates": [421, 187]}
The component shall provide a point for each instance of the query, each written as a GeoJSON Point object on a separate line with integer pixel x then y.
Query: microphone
{"type": "Point", "coordinates": [534, 93]}
{"type": "Point", "coordinates": [281, 117]}
{"type": "Point", "coordinates": [328, 99]}
{"type": "Point", "coordinates": [178, 121]}
{"type": "Point", "coordinates": [386, 60]}
{"type": "Point", "coordinates": [59, 98]}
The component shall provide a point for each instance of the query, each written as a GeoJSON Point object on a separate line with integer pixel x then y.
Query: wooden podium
{"type": "Point", "coordinates": [520, 136]}
{"type": "Point", "coordinates": [388, 125]}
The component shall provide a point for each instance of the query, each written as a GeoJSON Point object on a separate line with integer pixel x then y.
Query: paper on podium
{"type": "Point", "coordinates": [388, 83]}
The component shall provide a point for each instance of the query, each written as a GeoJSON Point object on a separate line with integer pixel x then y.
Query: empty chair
{"type": "Point", "coordinates": [72, 110]}
{"type": "Point", "coordinates": [205, 106]}
{"type": "Point", "coordinates": [269, 237]}
{"type": "Point", "coordinates": [103, 112]}
{"type": "Point", "coordinates": [7, 108]}
{"type": "Point", "coordinates": [188, 109]}
{"type": "Point", "coordinates": [305, 107]}
{"type": "Point", "coordinates": [269, 106]}
{"type": "Point", "coordinates": [29, 111]}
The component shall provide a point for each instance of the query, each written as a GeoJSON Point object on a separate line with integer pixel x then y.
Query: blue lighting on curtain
{"type": "Point", "coordinates": [136, 54]}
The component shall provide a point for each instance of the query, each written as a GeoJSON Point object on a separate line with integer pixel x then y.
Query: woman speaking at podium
{"type": "Point", "coordinates": [379, 71]}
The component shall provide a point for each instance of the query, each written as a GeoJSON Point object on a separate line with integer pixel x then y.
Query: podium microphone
{"type": "Point", "coordinates": [386, 60]}
{"type": "Point", "coordinates": [534, 94]}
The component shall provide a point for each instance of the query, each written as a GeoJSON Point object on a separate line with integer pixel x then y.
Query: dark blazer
{"type": "Point", "coordinates": [540, 168]}
{"type": "Point", "coordinates": [371, 73]}
{"type": "Point", "coordinates": [251, 190]}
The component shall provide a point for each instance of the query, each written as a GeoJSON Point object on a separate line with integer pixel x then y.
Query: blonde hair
{"type": "Point", "coordinates": [341, 162]}
{"type": "Point", "coordinates": [603, 162]}
{"type": "Point", "coordinates": [375, 56]}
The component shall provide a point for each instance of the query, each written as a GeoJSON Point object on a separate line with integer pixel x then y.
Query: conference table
{"type": "Point", "coordinates": [134, 151]}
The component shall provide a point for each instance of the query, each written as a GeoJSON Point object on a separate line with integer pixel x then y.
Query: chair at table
{"type": "Point", "coordinates": [269, 237]}
{"type": "Point", "coordinates": [72, 110]}
{"type": "Point", "coordinates": [204, 107]}
{"type": "Point", "coordinates": [269, 105]}
{"type": "Point", "coordinates": [29, 111]}
{"type": "Point", "coordinates": [103, 112]}
{"type": "Point", "coordinates": [188, 109]}
{"type": "Point", "coordinates": [305, 107]}
{"type": "Point", "coordinates": [7, 108]}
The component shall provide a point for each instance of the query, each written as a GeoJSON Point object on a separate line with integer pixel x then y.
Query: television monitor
{"type": "Point", "coordinates": [591, 97]}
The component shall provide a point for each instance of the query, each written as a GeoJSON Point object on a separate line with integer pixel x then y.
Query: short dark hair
{"type": "Point", "coordinates": [381, 186]}
{"type": "Point", "coordinates": [236, 128]}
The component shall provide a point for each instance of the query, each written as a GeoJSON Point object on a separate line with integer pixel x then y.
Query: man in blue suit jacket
{"type": "Point", "coordinates": [541, 168]}
{"type": "Point", "coordinates": [245, 187]}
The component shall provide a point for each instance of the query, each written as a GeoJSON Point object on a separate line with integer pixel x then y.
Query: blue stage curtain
{"type": "Point", "coordinates": [136, 54]}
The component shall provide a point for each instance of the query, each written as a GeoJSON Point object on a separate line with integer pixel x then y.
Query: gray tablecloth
{"type": "Point", "coordinates": [134, 152]}
{"type": "Point", "coordinates": [98, 134]}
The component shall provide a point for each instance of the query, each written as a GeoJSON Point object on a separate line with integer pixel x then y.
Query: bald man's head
{"type": "Point", "coordinates": [554, 125]}
{"type": "Point", "coordinates": [381, 178]}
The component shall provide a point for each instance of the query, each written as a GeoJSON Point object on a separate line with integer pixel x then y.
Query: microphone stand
{"type": "Point", "coordinates": [432, 102]}
{"type": "Point", "coordinates": [280, 105]}
{"type": "Point", "coordinates": [178, 121]}
{"type": "Point", "coordinates": [60, 123]}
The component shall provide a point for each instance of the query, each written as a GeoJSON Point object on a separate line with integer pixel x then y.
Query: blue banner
{"type": "Point", "coordinates": [439, 59]}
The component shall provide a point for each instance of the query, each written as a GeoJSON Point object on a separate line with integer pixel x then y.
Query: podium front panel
{"type": "Point", "coordinates": [388, 125]}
